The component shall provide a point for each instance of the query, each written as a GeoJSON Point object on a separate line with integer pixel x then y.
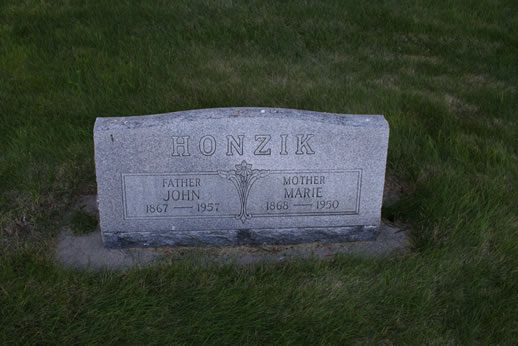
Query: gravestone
{"type": "Point", "coordinates": [234, 176]}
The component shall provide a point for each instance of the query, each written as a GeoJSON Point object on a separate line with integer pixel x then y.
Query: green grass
{"type": "Point", "coordinates": [82, 223]}
{"type": "Point", "coordinates": [444, 74]}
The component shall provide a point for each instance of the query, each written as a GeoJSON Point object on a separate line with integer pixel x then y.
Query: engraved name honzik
{"type": "Point", "coordinates": [260, 144]}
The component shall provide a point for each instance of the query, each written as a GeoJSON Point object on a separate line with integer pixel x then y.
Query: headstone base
{"type": "Point", "coordinates": [286, 236]}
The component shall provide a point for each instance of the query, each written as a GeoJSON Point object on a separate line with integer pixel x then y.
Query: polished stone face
{"type": "Point", "coordinates": [239, 176]}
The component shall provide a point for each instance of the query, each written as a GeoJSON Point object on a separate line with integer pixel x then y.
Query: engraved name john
{"type": "Point", "coordinates": [261, 144]}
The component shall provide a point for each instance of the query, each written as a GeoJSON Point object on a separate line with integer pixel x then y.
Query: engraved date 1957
{"type": "Point", "coordinates": [208, 207]}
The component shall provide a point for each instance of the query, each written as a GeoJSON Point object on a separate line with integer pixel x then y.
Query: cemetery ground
{"type": "Point", "coordinates": [444, 74]}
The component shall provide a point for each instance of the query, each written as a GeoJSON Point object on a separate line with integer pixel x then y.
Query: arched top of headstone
{"type": "Point", "coordinates": [241, 113]}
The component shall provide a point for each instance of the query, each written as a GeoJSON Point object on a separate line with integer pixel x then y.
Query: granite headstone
{"type": "Point", "coordinates": [233, 176]}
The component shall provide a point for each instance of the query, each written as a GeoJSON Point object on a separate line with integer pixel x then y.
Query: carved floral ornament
{"type": "Point", "coordinates": [243, 177]}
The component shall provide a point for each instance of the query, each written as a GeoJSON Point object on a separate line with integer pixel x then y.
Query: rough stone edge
{"type": "Point", "coordinates": [286, 236]}
{"type": "Point", "coordinates": [151, 120]}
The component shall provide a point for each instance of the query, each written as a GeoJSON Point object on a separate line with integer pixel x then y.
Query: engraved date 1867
{"type": "Point", "coordinates": [156, 208]}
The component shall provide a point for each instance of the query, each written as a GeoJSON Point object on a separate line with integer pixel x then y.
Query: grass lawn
{"type": "Point", "coordinates": [445, 74]}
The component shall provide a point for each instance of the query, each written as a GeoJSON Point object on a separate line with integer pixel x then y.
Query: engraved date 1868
{"type": "Point", "coordinates": [281, 205]}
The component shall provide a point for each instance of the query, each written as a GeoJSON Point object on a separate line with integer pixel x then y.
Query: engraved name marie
{"type": "Point", "coordinates": [264, 144]}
